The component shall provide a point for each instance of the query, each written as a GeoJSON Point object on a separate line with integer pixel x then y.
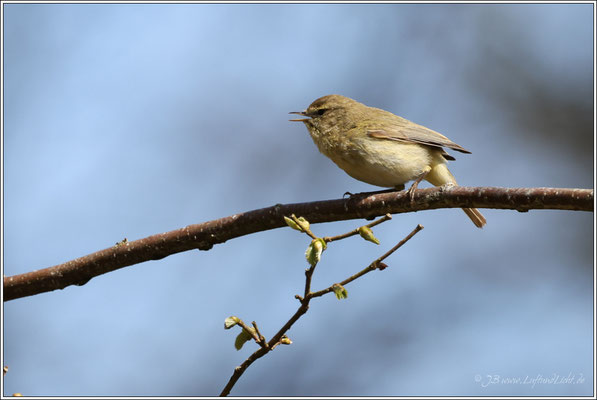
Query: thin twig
{"type": "Point", "coordinates": [303, 308]}
{"type": "Point", "coordinates": [303, 228]}
{"type": "Point", "coordinates": [309, 271]}
{"type": "Point", "coordinates": [250, 331]}
{"type": "Point", "coordinates": [356, 231]}
{"type": "Point", "coordinates": [308, 276]}
{"type": "Point", "coordinates": [374, 265]}
{"type": "Point", "coordinates": [238, 371]}
{"type": "Point", "coordinates": [262, 341]}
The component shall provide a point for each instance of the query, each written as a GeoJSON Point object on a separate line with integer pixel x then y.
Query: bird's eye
{"type": "Point", "coordinates": [321, 111]}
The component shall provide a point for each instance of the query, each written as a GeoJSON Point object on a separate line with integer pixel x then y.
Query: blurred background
{"type": "Point", "coordinates": [130, 120]}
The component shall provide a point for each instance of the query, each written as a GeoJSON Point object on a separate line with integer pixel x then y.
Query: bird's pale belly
{"type": "Point", "coordinates": [384, 163]}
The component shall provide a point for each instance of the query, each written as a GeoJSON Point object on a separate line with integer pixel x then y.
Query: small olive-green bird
{"type": "Point", "coordinates": [380, 148]}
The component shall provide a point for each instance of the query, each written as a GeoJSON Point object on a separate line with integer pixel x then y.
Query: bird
{"type": "Point", "coordinates": [380, 148]}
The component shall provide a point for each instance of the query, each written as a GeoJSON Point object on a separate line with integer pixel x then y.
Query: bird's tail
{"type": "Point", "coordinates": [475, 216]}
{"type": "Point", "coordinates": [440, 175]}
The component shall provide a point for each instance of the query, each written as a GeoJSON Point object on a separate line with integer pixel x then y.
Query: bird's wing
{"type": "Point", "coordinates": [409, 132]}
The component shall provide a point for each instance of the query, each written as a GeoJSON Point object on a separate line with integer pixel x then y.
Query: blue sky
{"type": "Point", "coordinates": [128, 120]}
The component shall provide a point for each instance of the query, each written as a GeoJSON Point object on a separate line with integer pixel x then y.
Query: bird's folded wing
{"type": "Point", "coordinates": [409, 132]}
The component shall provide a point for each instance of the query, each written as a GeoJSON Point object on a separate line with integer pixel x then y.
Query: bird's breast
{"type": "Point", "coordinates": [383, 163]}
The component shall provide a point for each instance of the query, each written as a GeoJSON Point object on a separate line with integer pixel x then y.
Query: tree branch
{"type": "Point", "coordinates": [203, 236]}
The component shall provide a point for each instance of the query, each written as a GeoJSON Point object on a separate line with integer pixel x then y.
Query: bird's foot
{"type": "Point", "coordinates": [413, 188]}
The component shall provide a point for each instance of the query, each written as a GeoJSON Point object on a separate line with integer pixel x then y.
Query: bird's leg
{"type": "Point", "coordinates": [411, 191]}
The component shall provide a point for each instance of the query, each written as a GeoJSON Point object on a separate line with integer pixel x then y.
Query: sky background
{"type": "Point", "coordinates": [131, 120]}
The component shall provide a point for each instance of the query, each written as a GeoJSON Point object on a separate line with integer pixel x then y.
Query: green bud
{"type": "Point", "coordinates": [313, 253]}
{"type": "Point", "coordinates": [367, 234]}
{"type": "Point", "coordinates": [230, 322]}
{"type": "Point", "coordinates": [302, 225]}
{"type": "Point", "coordinates": [339, 290]}
{"type": "Point", "coordinates": [242, 338]}
{"type": "Point", "coordinates": [285, 340]}
{"type": "Point", "coordinates": [290, 222]}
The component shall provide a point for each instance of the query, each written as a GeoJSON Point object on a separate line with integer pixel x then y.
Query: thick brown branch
{"type": "Point", "coordinates": [203, 236]}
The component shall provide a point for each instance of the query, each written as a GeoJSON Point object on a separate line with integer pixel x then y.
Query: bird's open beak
{"type": "Point", "coordinates": [299, 119]}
